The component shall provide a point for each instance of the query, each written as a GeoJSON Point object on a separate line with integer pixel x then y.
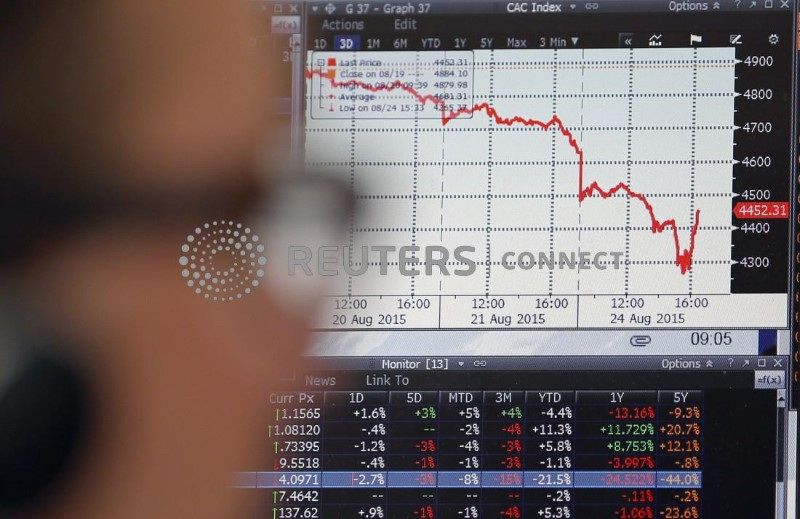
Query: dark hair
{"type": "Point", "coordinates": [45, 120]}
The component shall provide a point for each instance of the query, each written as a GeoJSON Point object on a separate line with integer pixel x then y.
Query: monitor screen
{"type": "Point", "coordinates": [567, 286]}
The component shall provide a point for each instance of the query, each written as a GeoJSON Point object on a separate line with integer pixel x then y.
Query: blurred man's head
{"type": "Point", "coordinates": [119, 123]}
{"type": "Point", "coordinates": [143, 85]}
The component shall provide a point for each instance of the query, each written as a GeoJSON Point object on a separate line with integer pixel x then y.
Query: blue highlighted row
{"type": "Point", "coordinates": [473, 479]}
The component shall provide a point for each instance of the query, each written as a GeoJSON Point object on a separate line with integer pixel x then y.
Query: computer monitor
{"type": "Point", "coordinates": [569, 286]}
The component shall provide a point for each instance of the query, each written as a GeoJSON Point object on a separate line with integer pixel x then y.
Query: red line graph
{"type": "Point", "coordinates": [683, 256]}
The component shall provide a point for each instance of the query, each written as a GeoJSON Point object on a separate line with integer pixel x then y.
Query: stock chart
{"type": "Point", "coordinates": [586, 182]}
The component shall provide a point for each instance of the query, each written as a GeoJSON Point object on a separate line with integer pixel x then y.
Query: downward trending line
{"type": "Point", "coordinates": [683, 257]}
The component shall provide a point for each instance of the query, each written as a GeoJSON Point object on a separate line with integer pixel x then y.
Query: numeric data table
{"type": "Point", "coordinates": [471, 454]}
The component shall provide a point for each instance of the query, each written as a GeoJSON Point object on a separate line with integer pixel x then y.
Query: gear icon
{"type": "Point", "coordinates": [773, 39]}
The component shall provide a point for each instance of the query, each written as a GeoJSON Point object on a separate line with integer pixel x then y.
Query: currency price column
{"type": "Point", "coordinates": [294, 478]}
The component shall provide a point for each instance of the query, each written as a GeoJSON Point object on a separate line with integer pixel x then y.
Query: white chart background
{"type": "Point", "coordinates": [659, 120]}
